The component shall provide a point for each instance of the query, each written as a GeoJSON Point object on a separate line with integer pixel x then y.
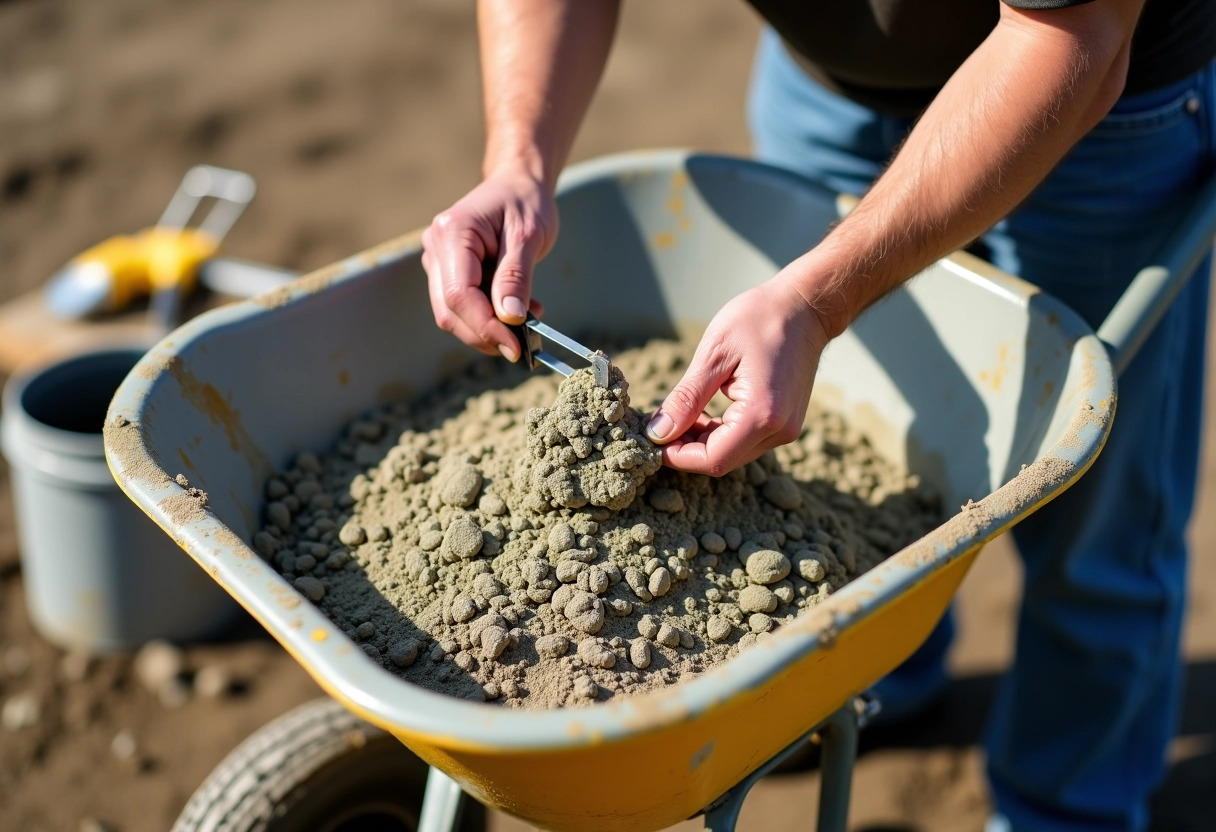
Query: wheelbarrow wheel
{"type": "Point", "coordinates": [318, 767]}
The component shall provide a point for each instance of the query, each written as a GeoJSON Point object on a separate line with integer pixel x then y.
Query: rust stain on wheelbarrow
{"type": "Point", "coordinates": [211, 403]}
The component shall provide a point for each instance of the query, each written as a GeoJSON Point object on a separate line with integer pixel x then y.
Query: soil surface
{"type": "Point", "coordinates": [361, 120]}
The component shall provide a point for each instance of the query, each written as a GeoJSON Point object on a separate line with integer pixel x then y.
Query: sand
{"type": "Point", "coordinates": [523, 544]}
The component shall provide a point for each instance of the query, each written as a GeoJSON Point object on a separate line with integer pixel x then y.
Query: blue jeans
{"type": "Point", "coordinates": [1081, 722]}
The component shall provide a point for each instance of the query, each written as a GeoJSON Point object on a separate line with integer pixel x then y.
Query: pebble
{"type": "Point", "coordinates": [639, 653]}
{"type": "Point", "coordinates": [811, 569]}
{"type": "Point", "coordinates": [568, 570]}
{"type": "Point", "coordinates": [597, 580]}
{"type": "Point", "coordinates": [265, 544]}
{"type": "Point", "coordinates": [648, 626]}
{"type": "Point", "coordinates": [621, 607]}
{"type": "Point", "coordinates": [719, 628]}
{"type": "Point", "coordinates": [352, 534]}
{"type": "Point", "coordinates": [639, 583]}
{"type": "Point", "coordinates": [641, 533]}
{"type": "Point", "coordinates": [667, 500]}
{"type": "Point", "coordinates": [487, 586]}
{"type": "Point", "coordinates": [552, 646]}
{"type": "Point", "coordinates": [20, 711]}
{"type": "Point", "coordinates": [279, 515]}
{"type": "Point", "coordinates": [784, 592]}
{"type": "Point", "coordinates": [668, 636]}
{"type": "Point", "coordinates": [585, 612]}
{"type": "Point", "coordinates": [310, 587]}
{"type": "Point", "coordinates": [660, 582]}
{"type": "Point", "coordinates": [124, 747]}
{"type": "Point", "coordinates": [595, 653]}
{"type": "Point", "coordinates": [494, 642]}
{"type": "Point", "coordinates": [733, 538]}
{"type": "Point", "coordinates": [580, 555]}
{"type": "Point", "coordinates": [782, 492]}
{"type": "Point", "coordinates": [686, 640]}
{"type": "Point", "coordinates": [463, 608]}
{"type": "Point", "coordinates": [157, 664]}
{"type": "Point", "coordinates": [767, 566]}
{"type": "Point", "coordinates": [462, 540]}
{"type": "Point", "coordinates": [366, 630]}
{"type": "Point", "coordinates": [561, 537]}
{"type": "Point", "coordinates": [492, 504]}
{"type": "Point", "coordinates": [377, 533]}
{"type": "Point", "coordinates": [757, 599]}
{"type": "Point", "coordinates": [212, 681]}
{"type": "Point", "coordinates": [585, 688]}
{"type": "Point", "coordinates": [429, 541]}
{"type": "Point", "coordinates": [686, 547]}
{"type": "Point", "coordinates": [461, 487]}
{"type": "Point", "coordinates": [562, 596]}
{"type": "Point", "coordinates": [758, 622]}
{"type": "Point", "coordinates": [403, 653]}
{"type": "Point", "coordinates": [713, 543]}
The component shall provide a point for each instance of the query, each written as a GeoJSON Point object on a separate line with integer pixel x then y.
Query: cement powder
{"type": "Point", "coordinates": [492, 543]}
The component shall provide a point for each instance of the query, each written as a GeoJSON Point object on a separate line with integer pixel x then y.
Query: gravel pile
{"type": "Point", "coordinates": [506, 539]}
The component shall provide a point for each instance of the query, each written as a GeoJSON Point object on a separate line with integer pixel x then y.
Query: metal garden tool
{"type": "Point", "coordinates": [162, 261]}
{"type": "Point", "coordinates": [532, 335]}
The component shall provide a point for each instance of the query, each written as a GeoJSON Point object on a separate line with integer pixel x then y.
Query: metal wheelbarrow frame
{"type": "Point", "coordinates": [1001, 409]}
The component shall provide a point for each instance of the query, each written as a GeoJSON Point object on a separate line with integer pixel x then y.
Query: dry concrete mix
{"type": "Point", "coordinates": [493, 543]}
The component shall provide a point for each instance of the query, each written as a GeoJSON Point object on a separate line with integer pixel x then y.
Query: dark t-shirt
{"type": "Point", "coordinates": [894, 55]}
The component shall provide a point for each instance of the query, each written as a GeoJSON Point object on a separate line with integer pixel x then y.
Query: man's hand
{"type": "Point", "coordinates": [761, 350]}
{"type": "Point", "coordinates": [541, 60]}
{"type": "Point", "coordinates": [1038, 83]}
{"type": "Point", "coordinates": [510, 220]}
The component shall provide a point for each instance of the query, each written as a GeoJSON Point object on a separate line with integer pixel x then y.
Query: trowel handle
{"type": "Point", "coordinates": [488, 267]}
{"type": "Point", "coordinates": [1156, 285]}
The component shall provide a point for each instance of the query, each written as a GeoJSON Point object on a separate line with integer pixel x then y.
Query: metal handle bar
{"type": "Point", "coordinates": [1155, 286]}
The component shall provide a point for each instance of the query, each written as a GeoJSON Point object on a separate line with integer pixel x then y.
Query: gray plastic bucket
{"type": "Point", "coordinates": [99, 574]}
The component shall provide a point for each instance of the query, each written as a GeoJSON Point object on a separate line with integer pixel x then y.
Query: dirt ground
{"type": "Point", "coordinates": [361, 120]}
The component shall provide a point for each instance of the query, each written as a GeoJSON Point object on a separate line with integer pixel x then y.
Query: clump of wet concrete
{"type": "Point", "coordinates": [520, 542]}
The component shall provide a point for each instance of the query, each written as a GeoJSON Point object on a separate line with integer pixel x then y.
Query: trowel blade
{"type": "Point", "coordinates": [79, 290]}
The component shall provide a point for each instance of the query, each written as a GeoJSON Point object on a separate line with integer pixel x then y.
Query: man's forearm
{"type": "Point", "coordinates": [1035, 86]}
{"type": "Point", "coordinates": [541, 61]}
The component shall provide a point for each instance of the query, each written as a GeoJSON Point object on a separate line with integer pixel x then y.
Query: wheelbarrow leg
{"type": "Point", "coordinates": [440, 803]}
{"type": "Point", "coordinates": [838, 734]}
{"type": "Point", "coordinates": [839, 737]}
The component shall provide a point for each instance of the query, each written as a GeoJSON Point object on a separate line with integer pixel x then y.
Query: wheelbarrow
{"type": "Point", "coordinates": [1000, 409]}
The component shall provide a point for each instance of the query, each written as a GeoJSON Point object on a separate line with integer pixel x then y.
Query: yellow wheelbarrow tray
{"type": "Point", "coordinates": [995, 393]}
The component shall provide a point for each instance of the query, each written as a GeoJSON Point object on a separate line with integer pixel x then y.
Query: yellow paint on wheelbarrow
{"type": "Point", "coordinates": [657, 778]}
{"type": "Point", "coordinates": [295, 366]}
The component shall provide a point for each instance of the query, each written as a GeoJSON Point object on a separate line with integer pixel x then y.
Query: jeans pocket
{"type": "Point", "coordinates": [1146, 114]}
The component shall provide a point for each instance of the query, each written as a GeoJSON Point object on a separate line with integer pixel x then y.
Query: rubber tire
{"type": "Point", "coordinates": [318, 768]}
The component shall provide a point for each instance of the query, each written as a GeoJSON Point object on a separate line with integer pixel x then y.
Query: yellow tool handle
{"type": "Point", "coordinates": [153, 260]}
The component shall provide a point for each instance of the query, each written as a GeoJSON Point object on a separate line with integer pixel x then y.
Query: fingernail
{"type": "Point", "coordinates": [513, 307]}
{"type": "Point", "coordinates": [508, 353]}
{"type": "Point", "coordinates": [659, 427]}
